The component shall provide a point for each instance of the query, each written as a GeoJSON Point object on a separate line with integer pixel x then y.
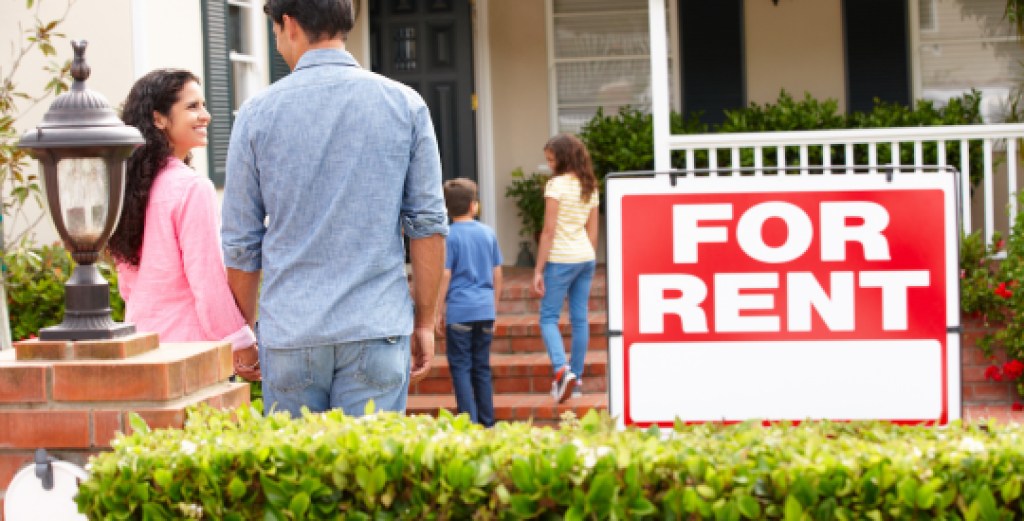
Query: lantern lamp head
{"type": "Point", "coordinates": [82, 146]}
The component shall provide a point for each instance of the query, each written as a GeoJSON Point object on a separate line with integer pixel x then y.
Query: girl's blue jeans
{"type": "Point", "coordinates": [564, 281]}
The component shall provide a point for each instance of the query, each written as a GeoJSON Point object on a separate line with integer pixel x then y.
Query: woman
{"type": "Point", "coordinates": [167, 243]}
{"type": "Point", "coordinates": [566, 257]}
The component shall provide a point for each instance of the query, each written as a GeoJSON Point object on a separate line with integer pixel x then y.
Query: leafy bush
{"type": "Point", "coordinates": [991, 289]}
{"type": "Point", "coordinates": [624, 142]}
{"type": "Point", "coordinates": [239, 465]}
{"type": "Point", "coordinates": [528, 192]}
{"type": "Point", "coordinates": [35, 288]}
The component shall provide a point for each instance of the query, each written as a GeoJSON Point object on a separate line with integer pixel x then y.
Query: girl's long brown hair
{"type": "Point", "coordinates": [571, 156]}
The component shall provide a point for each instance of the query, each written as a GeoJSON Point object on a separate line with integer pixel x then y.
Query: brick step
{"type": "Point", "coordinates": [540, 408]}
{"type": "Point", "coordinates": [517, 284]}
{"type": "Point", "coordinates": [531, 344]}
{"type": "Point", "coordinates": [521, 333]}
{"type": "Point", "coordinates": [528, 325]}
{"type": "Point", "coordinates": [518, 306]}
{"type": "Point", "coordinates": [517, 373]}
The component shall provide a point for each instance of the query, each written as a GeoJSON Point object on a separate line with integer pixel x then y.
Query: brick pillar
{"type": "Point", "coordinates": [72, 398]}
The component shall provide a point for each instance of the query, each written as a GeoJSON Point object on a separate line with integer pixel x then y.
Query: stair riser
{"type": "Point", "coordinates": [527, 344]}
{"type": "Point", "coordinates": [524, 306]}
{"type": "Point", "coordinates": [531, 379]}
{"type": "Point", "coordinates": [508, 385]}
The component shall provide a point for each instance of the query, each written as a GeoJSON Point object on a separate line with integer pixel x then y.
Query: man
{"type": "Point", "coordinates": [326, 170]}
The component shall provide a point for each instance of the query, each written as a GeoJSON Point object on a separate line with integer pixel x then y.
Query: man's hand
{"type": "Point", "coordinates": [422, 345]}
{"type": "Point", "coordinates": [247, 363]}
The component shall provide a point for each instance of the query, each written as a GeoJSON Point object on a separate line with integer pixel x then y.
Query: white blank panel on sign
{"type": "Point", "coordinates": [891, 379]}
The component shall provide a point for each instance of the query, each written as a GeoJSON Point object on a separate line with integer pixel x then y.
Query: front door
{"type": "Point", "coordinates": [428, 45]}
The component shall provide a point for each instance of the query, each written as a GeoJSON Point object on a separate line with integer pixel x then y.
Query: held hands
{"type": "Point", "coordinates": [247, 363]}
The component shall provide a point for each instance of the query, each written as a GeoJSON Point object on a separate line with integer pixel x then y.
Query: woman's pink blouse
{"type": "Point", "coordinates": [179, 289]}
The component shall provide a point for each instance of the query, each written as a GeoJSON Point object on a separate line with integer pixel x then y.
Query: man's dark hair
{"type": "Point", "coordinates": [459, 195]}
{"type": "Point", "coordinates": [319, 19]}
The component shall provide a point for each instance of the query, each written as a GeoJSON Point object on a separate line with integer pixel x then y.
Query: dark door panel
{"type": "Point", "coordinates": [428, 45]}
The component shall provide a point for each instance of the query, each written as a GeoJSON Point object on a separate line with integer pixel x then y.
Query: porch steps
{"type": "Point", "coordinates": [521, 372]}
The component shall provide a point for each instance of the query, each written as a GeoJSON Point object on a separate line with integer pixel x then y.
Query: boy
{"type": "Point", "coordinates": [470, 289]}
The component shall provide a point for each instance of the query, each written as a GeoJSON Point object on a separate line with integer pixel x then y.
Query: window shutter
{"type": "Point", "coordinates": [219, 88]}
{"type": "Point", "coordinates": [877, 60]}
{"type": "Point", "coordinates": [278, 67]}
{"type": "Point", "coordinates": [711, 41]}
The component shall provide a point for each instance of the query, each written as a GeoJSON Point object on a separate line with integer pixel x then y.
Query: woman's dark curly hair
{"type": "Point", "coordinates": [157, 91]}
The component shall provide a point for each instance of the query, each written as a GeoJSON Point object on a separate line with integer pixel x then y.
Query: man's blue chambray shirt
{"type": "Point", "coordinates": [325, 170]}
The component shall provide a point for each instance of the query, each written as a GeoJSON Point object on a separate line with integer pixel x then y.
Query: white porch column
{"type": "Point", "coordinates": [659, 85]}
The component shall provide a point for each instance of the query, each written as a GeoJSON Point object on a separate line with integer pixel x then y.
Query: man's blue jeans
{"type": "Point", "coordinates": [468, 346]}
{"type": "Point", "coordinates": [340, 376]}
{"type": "Point", "coordinates": [562, 281]}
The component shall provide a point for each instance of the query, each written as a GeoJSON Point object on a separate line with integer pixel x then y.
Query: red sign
{"type": "Point", "coordinates": [821, 281]}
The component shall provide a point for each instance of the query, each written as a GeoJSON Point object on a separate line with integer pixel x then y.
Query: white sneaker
{"type": "Point", "coordinates": [560, 387]}
{"type": "Point", "coordinates": [577, 391]}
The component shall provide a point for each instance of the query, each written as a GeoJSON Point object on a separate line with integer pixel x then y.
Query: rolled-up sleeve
{"type": "Point", "coordinates": [242, 211]}
{"type": "Point", "coordinates": [423, 210]}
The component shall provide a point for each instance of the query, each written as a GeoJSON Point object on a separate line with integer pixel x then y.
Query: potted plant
{"type": "Point", "coordinates": [528, 192]}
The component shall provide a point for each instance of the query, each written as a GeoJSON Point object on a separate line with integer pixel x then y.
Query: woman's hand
{"type": "Point", "coordinates": [247, 363]}
{"type": "Point", "coordinates": [538, 283]}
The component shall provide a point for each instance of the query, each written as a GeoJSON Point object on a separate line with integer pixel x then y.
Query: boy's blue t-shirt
{"type": "Point", "coordinates": [472, 254]}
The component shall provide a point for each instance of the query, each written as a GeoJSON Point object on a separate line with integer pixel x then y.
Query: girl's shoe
{"type": "Point", "coordinates": [560, 388]}
{"type": "Point", "coordinates": [577, 391]}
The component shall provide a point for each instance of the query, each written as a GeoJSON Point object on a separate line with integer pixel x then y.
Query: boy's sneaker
{"type": "Point", "coordinates": [560, 386]}
{"type": "Point", "coordinates": [577, 391]}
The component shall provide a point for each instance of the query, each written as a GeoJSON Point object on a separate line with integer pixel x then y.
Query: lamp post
{"type": "Point", "coordinates": [82, 146]}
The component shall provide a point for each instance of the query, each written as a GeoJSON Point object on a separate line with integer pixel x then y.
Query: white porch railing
{"type": "Point", "coordinates": [986, 154]}
{"type": "Point", "coordinates": [993, 147]}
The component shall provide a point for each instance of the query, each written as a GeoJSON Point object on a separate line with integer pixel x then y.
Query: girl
{"type": "Point", "coordinates": [167, 244]}
{"type": "Point", "coordinates": [566, 256]}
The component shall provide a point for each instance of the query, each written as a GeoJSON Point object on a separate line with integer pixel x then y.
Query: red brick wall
{"type": "Point", "coordinates": [74, 408]}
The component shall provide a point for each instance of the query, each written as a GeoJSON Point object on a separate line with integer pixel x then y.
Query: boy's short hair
{"type": "Point", "coordinates": [459, 195]}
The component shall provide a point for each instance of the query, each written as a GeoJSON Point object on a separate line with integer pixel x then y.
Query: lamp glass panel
{"type": "Point", "coordinates": [84, 185]}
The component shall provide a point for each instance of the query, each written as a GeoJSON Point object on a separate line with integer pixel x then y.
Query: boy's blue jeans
{"type": "Point", "coordinates": [468, 346]}
{"type": "Point", "coordinates": [339, 376]}
{"type": "Point", "coordinates": [561, 281]}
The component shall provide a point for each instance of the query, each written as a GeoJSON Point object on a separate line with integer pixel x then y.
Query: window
{"type": "Point", "coordinates": [974, 47]}
{"type": "Point", "coordinates": [244, 19]}
{"type": "Point", "coordinates": [926, 8]}
{"type": "Point", "coordinates": [233, 40]}
{"type": "Point", "coordinates": [599, 58]}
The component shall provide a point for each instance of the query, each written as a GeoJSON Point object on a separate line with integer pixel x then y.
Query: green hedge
{"type": "Point", "coordinates": [624, 141]}
{"type": "Point", "coordinates": [34, 282]}
{"type": "Point", "coordinates": [239, 466]}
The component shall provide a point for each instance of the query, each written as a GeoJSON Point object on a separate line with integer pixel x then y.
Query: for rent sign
{"type": "Point", "coordinates": [783, 298]}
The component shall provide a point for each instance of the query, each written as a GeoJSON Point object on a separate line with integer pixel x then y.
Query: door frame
{"type": "Point", "coordinates": [484, 112]}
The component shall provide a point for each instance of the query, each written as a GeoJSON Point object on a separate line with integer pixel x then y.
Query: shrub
{"type": "Point", "coordinates": [991, 289]}
{"type": "Point", "coordinates": [35, 280]}
{"type": "Point", "coordinates": [624, 142]}
{"type": "Point", "coordinates": [528, 192]}
{"type": "Point", "coordinates": [239, 465]}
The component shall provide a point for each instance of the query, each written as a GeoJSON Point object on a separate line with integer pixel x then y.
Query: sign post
{"type": "Point", "coordinates": [783, 297]}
